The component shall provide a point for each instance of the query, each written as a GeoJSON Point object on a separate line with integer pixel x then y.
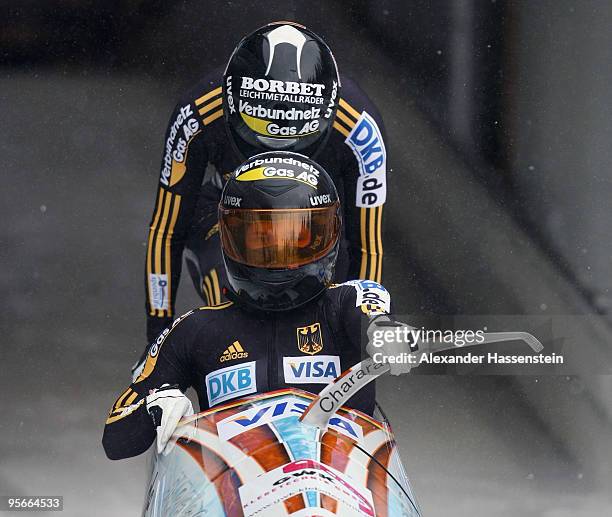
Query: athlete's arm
{"type": "Point", "coordinates": [364, 173]}
{"type": "Point", "coordinates": [184, 162]}
{"type": "Point", "coordinates": [130, 427]}
{"type": "Point", "coordinates": [360, 301]}
{"type": "Point", "coordinates": [357, 303]}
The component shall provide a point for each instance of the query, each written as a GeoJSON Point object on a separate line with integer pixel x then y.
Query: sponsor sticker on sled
{"type": "Point", "coordinates": [278, 410]}
{"type": "Point", "coordinates": [318, 369]}
{"type": "Point", "coordinates": [366, 142]}
{"type": "Point", "coordinates": [231, 382]}
{"type": "Point", "coordinates": [299, 477]}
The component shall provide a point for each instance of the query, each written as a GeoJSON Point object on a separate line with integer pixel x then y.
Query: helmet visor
{"type": "Point", "coordinates": [280, 238]}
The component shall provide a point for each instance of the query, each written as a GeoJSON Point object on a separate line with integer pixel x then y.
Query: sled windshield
{"type": "Point", "coordinates": [253, 457]}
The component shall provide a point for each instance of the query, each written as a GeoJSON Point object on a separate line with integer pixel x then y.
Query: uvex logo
{"type": "Point", "coordinates": [232, 201]}
{"type": "Point", "coordinates": [320, 200]}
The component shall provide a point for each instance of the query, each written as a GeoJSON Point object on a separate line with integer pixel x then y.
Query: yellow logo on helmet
{"type": "Point", "coordinates": [272, 129]}
{"type": "Point", "coordinates": [264, 173]}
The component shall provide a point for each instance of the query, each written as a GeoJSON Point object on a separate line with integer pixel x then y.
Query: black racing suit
{"type": "Point", "coordinates": [227, 352]}
{"type": "Point", "coordinates": [197, 159]}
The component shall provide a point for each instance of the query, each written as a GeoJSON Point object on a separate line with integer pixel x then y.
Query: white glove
{"type": "Point", "coordinates": [393, 340]}
{"type": "Point", "coordinates": [167, 406]}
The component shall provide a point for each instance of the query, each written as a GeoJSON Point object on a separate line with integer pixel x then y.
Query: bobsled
{"type": "Point", "coordinates": [291, 453]}
{"type": "Point", "coordinates": [256, 457]}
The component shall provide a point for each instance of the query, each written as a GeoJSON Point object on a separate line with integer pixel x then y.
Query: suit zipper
{"type": "Point", "coordinates": [272, 359]}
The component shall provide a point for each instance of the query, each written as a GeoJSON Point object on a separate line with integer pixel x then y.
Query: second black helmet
{"type": "Point", "coordinates": [280, 91]}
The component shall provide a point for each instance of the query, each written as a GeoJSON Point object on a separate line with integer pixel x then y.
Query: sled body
{"type": "Point", "coordinates": [253, 457]}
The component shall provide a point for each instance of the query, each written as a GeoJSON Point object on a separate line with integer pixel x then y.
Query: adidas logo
{"type": "Point", "coordinates": [234, 351]}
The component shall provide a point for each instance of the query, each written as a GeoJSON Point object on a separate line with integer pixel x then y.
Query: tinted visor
{"type": "Point", "coordinates": [280, 238]}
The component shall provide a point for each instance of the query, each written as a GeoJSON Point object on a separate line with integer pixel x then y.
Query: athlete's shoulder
{"type": "Point", "coordinates": [204, 97]}
{"type": "Point", "coordinates": [366, 295]}
{"type": "Point", "coordinates": [355, 107]}
{"type": "Point", "coordinates": [208, 313]}
{"type": "Point", "coordinates": [198, 111]}
{"type": "Point", "coordinates": [356, 98]}
{"type": "Point", "coordinates": [194, 320]}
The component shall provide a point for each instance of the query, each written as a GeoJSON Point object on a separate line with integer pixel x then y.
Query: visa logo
{"type": "Point", "coordinates": [271, 412]}
{"type": "Point", "coordinates": [366, 142]}
{"type": "Point", "coordinates": [231, 382]}
{"type": "Point", "coordinates": [320, 369]}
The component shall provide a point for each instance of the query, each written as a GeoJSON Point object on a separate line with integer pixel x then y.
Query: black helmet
{"type": "Point", "coordinates": [280, 91]}
{"type": "Point", "coordinates": [279, 220]}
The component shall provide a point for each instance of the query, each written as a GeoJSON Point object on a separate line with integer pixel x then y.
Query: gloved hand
{"type": "Point", "coordinates": [167, 406]}
{"type": "Point", "coordinates": [394, 341]}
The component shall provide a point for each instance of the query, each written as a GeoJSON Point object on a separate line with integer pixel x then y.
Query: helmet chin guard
{"type": "Point", "coordinates": [280, 290]}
